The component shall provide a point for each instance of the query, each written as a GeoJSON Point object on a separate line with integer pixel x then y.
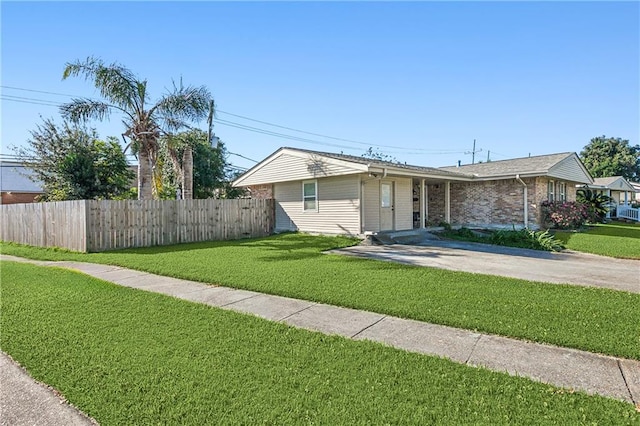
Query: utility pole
{"type": "Point", "coordinates": [473, 152]}
{"type": "Point", "coordinates": [488, 158]}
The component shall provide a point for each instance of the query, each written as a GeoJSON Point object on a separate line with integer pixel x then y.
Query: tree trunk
{"type": "Point", "coordinates": [187, 173]}
{"type": "Point", "coordinates": [145, 177]}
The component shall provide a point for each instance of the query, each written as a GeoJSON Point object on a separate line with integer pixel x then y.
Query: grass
{"type": "Point", "coordinates": [293, 265]}
{"type": "Point", "coordinates": [125, 356]}
{"type": "Point", "coordinates": [616, 239]}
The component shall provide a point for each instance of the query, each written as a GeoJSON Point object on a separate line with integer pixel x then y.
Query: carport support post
{"type": "Point", "coordinates": [447, 201]}
{"type": "Point", "coordinates": [423, 204]}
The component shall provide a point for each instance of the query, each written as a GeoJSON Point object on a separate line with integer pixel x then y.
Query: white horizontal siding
{"type": "Point", "coordinates": [371, 204]}
{"type": "Point", "coordinates": [287, 167]}
{"type": "Point", "coordinates": [338, 206]}
{"type": "Point", "coordinates": [403, 204]}
{"type": "Point", "coordinates": [569, 169]}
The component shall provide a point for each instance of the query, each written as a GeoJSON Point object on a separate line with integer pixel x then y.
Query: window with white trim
{"type": "Point", "coordinates": [551, 193]}
{"type": "Point", "coordinates": [310, 196]}
{"type": "Point", "coordinates": [562, 191]}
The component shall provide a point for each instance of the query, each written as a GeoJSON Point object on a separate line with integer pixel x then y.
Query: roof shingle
{"type": "Point", "coordinates": [536, 164]}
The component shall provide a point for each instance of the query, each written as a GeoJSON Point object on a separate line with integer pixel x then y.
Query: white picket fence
{"type": "Point", "coordinates": [627, 212]}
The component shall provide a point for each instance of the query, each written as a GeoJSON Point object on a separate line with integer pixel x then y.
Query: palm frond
{"type": "Point", "coordinates": [183, 105]}
{"type": "Point", "coordinates": [79, 110]}
{"type": "Point", "coordinates": [116, 83]}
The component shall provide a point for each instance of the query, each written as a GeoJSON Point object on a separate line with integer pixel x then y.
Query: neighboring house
{"type": "Point", "coordinates": [616, 187]}
{"type": "Point", "coordinates": [343, 194]}
{"type": "Point", "coordinates": [636, 187]}
{"type": "Point", "coordinates": [15, 184]}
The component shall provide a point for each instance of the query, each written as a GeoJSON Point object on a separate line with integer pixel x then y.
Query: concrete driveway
{"type": "Point", "coordinates": [563, 268]}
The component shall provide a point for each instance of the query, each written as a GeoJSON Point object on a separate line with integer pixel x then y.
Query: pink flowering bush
{"type": "Point", "coordinates": [565, 214]}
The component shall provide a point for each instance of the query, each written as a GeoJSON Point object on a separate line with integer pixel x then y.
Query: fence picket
{"type": "Point", "coordinates": [92, 225]}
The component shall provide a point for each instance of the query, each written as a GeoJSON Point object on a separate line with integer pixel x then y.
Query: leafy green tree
{"type": "Point", "coordinates": [145, 121]}
{"type": "Point", "coordinates": [73, 164]}
{"type": "Point", "coordinates": [606, 157]}
{"type": "Point", "coordinates": [211, 171]}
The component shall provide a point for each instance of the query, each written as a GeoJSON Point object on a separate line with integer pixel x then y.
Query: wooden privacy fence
{"type": "Point", "coordinates": [91, 225]}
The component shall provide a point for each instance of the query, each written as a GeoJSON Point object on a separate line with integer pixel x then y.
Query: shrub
{"type": "Point", "coordinates": [545, 240]}
{"type": "Point", "coordinates": [597, 204]}
{"type": "Point", "coordinates": [526, 238]}
{"type": "Point", "coordinates": [523, 238]}
{"type": "Point", "coordinates": [565, 214]}
{"type": "Point", "coordinates": [445, 225]}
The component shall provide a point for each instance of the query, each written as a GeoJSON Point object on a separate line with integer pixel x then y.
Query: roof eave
{"type": "Point", "coordinates": [398, 171]}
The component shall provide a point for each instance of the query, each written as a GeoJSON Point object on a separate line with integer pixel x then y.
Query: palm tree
{"type": "Point", "coordinates": [179, 149]}
{"type": "Point", "coordinates": [144, 122]}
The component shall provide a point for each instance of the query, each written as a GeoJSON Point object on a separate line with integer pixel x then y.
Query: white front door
{"type": "Point", "coordinates": [386, 206]}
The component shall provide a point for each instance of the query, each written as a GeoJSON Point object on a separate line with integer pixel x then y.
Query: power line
{"type": "Point", "coordinates": [419, 151]}
{"type": "Point", "coordinates": [247, 118]}
{"type": "Point", "coordinates": [219, 121]}
{"type": "Point", "coordinates": [280, 135]}
{"type": "Point", "coordinates": [242, 156]}
{"type": "Point", "coordinates": [256, 130]}
{"type": "Point", "coordinates": [39, 91]}
{"type": "Point", "coordinates": [34, 102]}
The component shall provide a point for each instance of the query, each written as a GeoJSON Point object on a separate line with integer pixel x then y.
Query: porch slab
{"type": "Point", "coordinates": [430, 339]}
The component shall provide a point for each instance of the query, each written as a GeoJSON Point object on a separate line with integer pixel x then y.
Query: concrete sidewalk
{"type": "Point", "coordinates": [559, 268]}
{"type": "Point", "coordinates": [593, 373]}
{"type": "Point", "coordinates": [23, 401]}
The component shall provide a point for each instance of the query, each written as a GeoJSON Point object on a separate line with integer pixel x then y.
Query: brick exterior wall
{"type": "Point", "coordinates": [497, 202]}
{"type": "Point", "coordinates": [492, 203]}
{"type": "Point", "coordinates": [261, 192]}
{"type": "Point", "coordinates": [17, 197]}
{"type": "Point", "coordinates": [435, 203]}
{"type": "Point", "coordinates": [540, 191]}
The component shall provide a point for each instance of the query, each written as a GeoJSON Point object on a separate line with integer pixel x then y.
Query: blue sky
{"type": "Point", "coordinates": [422, 79]}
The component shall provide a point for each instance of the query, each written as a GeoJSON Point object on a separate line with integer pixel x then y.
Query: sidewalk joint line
{"type": "Point", "coordinates": [297, 312]}
{"type": "Point", "coordinates": [473, 348]}
{"type": "Point", "coordinates": [626, 384]}
{"type": "Point", "coordinates": [368, 327]}
{"type": "Point", "coordinates": [240, 300]}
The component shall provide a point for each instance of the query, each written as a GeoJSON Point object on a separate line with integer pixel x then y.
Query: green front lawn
{"type": "Point", "coordinates": [125, 356]}
{"type": "Point", "coordinates": [293, 265]}
{"type": "Point", "coordinates": [616, 239]}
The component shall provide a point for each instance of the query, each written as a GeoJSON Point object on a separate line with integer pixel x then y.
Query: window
{"type": "Point", "coordinates": [562, 191]}
{"type": "Point", "coordinates": [385, 196]}
{"type": "Point", "coordinates": [310, 196]}
{"type": "Point", "coordinates": [551, 194]}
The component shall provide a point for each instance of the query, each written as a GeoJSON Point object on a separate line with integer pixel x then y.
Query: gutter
{"type": "Point", "coordinates": [526, 207]}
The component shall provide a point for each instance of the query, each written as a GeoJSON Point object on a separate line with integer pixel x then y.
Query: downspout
{"type": "Point", "coordinates": [361, 194]}
{"type": "Point", "coordinates": [384, 173]}
{"type": "Point", "coordinates": [526, 207]}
